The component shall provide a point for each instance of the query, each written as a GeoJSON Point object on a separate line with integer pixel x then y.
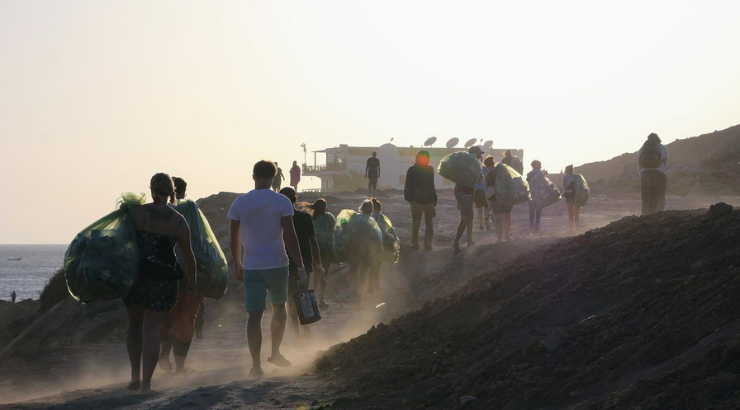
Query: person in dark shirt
{"type": "Point", "coordinates": [535, 215]}
{"type": "Point", "coordinates": [311, 255]}
{"type": "Point", "coordinates": [419, 191]}
{"type": "Point", "coordinates": [372, 173]}
{"type": "Point", "coordinates": [464, 196]}
{"type": "Point", "coordinates": [502, 212]}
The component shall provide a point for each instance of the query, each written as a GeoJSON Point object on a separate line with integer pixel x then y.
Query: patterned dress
{"type": "Point", "coordinates": [157, 295]}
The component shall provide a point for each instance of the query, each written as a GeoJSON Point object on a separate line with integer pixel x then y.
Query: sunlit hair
{"type": "Point", "coordinates": [488, 161]}
{"type": "Point", "coordinates": [161, 184]}
{"type": "Point", "coordinates": [289, 193]}
{"type": "Point", "coordinates": [317, 208]}
{"type": "Point", "coordinates": [536, 163]}
{"type": "Point", "coordinates": [569, 169]}
{"type": "Point", "coordinates": [264, 169]}
{"type": "Point", "coordinates": [366, 207]}
{"type": "Point", "coordinates": [377, 206]}
{"type": "Point", "coordinates": [180, 185]}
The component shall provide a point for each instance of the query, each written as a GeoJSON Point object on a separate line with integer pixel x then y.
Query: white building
{"type": "Point", "coordinates": [344, 166]}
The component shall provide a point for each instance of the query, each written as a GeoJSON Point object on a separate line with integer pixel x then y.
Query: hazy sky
{"type": "Point", "coordinates": [96, 96]}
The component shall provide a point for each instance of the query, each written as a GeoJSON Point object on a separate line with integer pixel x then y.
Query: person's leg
{"type": "Point", "coordinates": [460, 230]}
{"type": "Point", "coordinates": [277, 327]}
{"type": "Point", "coordinates": [150, 347]}
{"type": "Point", "coordinates": [416, 212]}
{"type": "Point", "coordinates": [134, 341]}
{"type": "Point", "coordinates": [293, 314]}
{"type": "Point", "coordinates": [499, 226]}
{"type": "Point", "coordinates": [200, 321]}
{"type": "Point", "coordinates": [470, 230]}
{"type": "Point", "coordinates": [373, 280]}
{"type": "Point", "coordinates": [645, 193]}
{"type": "Point", "coordinates": [255, 292]}
{"type": "Point", "coordinates": [571, 215]}
{"type": "Point", "coordinates": [180, 350]}
{"type": "Point", "coordinates": [577, 217]}
{"type": "Point", "coordinates": [164, 355]}
{"type": "Point", "coordinates": [537, 220]}
{"type": "Point", "coordinates": [254, 339]}
{"type": "Point", "coordinates": [428, 226]}
{"type": "Point", "coordinates": [507, 226]}
{"type": "Point", "coordinates": [660, 188]}
{"type": "Point", "coordinates": [480, 217]}
{"type": "Point", "coordinates": [531, 217]}
{"type": "Point", "coordinates": [321, 288]}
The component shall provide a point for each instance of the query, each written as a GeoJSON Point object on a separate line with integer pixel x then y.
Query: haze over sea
{"type": "Point", "coordinates": [28, 275]}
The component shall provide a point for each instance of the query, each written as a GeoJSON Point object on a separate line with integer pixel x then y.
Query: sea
{"type": "Point", "coordinates": [28, 276]}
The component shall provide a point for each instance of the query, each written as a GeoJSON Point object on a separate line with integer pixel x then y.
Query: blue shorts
{"type": "Point", "coordinates": [270, 283]}
{"type": "Point", "coordinates": [465, 202]}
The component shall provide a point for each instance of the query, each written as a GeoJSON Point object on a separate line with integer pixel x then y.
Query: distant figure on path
{"type": "Point", "coordinates": [464, 196]}
{"type": "Point", "coordinates": [158, 229]}
{"type": "Point", "coordinates": [501, 212]}
{"type": "Point", "coordinates": [277, 181]}
{"type": "Point", "coordinates": [535, 215]}
{"type": "Point", "coordinates": [310, 253]}
{"type": "Point", "coordinates": [479, 197]}
{"type": "Point", "coordinates": [372, 173]}
{"type": "Point", "coordinates": [13, 295]}
{"type": "Point", "coordinates": [295, 176]}
{"type": "Point", "coordinates": [652, 159]}
{"type": "Point", "coordinates": [262, 223]}
{"type": "Point", "coordinates": [178, 326]}
{"type": "Point", "coordinates": [419, 191]}
{"type": "Point", "coordinates": [569, 187]}
{"type": "Point", "coordinates": [513, 161]}
{"type": "Point", "coordinates": [323, 222]}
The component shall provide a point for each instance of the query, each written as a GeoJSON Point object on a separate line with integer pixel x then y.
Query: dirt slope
{"type": "Point", "coordinates": [642, 312]}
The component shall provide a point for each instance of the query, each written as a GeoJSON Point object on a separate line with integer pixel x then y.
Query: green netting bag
{"type": "Point", "coordinates": [356, 234]}
{"type": "Point", "coordinates": [582, 190]}
{"type": "Point", "coordinates": [102, 262]}
{"type": "Point", "coordinates": [461, 168]}
{"type": "Point", "coordinates": [213, 269]}
{"type": "Point", "coordinates": [544, 191]}
{"type": "Point", "coordinates": [391, 243]}
{"type": "Point", "coordinates": [323, 226]}
{"type": "Point", "coordinates": [511, 188]}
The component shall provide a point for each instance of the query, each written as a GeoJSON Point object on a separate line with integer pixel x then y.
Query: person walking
{"type": "Point", "coordinates": [311, 255]}
{"type": "Point", "coordinates": [513, 161]}
{"type": "Point", "coordinates": [419, 191]}
{"type": "Point", "coordinates": [501, 212]}
{"type": "Point", "coordinates": [158, 230]}
{"type": "Point", "coordinates": [569, 187]}
{"type": "Point", "coordinates": [277, 181]}
{"type": "Point", "coordinates": [479, 196]}
{"type": "Point", "coordinates": [464, 196]}
{"type": "Point", "coordinates": [323, 222]}
{"type": "Point", "coordinates": [372, 173]}
{"type": "Point", "coordinates": [535, 215]}
{"type": "Point", "coordinates": [178, 326]}
{"type": "Point", "coordinates": [652, 159]}
{"type": "Point", "coordinates": [13, 295]}
{"type": "Point", "coordinates": [262, 224]}
{"type": "Point", "coordinates": [295, 176]}
{"type": "Point", "coordinates": [363, 248]}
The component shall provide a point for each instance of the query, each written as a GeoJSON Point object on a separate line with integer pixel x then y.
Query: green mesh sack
{"type": "Point", "coordinates": [461, 168]}
{"type": "Point", "coordinates": [323, 226]}
{"type": "Point", "coordinates": [582, 190]}
{"type": "Point", "coordinates": [544, 191]}
{"type": "Point", "coordinates": [213, 269]}
{"type": "Point", "coordinates": [102, 262]}
{"type": "Point", "coordinates": [511, 188]}
{"type": "Point", "coordinates": [391, 243]}
{"type": "Point", "coordinates": [356, 234]}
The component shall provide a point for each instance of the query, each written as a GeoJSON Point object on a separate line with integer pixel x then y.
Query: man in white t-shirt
{"type": "Point", "coordinates": [262, 224]}
{"type": "Point", "coordinates": [652, 159]}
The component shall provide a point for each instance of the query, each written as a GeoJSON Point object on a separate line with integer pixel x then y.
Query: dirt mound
{"type": "Point", "coordinates": [707, 164]}
{"type": "Point", "coordinates": [642, 312]}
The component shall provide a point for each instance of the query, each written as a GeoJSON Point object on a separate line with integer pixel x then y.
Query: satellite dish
{"type": "Point", "coordinates": [488, 144]}
{"type": "Point", "coordinates": [471, 142]}
{"type": "Point", "coordinates": [430, 142]}
{"type": "Point", "coordinates": [451, 143]}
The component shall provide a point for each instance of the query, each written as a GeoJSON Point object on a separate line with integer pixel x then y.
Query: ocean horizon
{"type": "Point", "coordinates": [28, 275]}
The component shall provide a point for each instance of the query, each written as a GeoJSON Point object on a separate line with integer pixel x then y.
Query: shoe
{"type": "Point", "coordinates": [279, 361]}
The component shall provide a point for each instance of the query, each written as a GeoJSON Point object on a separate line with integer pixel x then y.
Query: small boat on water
{"type": "Point", "coordinates": [15, 259]}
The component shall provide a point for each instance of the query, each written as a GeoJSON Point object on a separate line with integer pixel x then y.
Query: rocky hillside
{"type": "Point", "coordinates": [639, 314]}
{"type": "Point", "coordinates": [707, 164]}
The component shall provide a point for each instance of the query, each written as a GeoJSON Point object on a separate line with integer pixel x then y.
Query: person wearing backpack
{"type": "Point", "coordinates": [513, 161]}
{"type": "Point", "coordinates": [652, 159]}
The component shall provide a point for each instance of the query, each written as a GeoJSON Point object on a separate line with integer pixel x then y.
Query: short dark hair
{"type": "Point", "coordinates": [264, 170]}
{"type": "Point", "coordinates": [423, 153]}
{"type": "Point", "coordinates": [569, 168]}
{"type": "Point", "coordinates": [653, 137]}
{"type": "Point", "coordinates": [377, 206]}
{"type": "Point", "coordinates": [289, 193]}
{"type": "Point", "coordinates": [488, 161]}
{"type": "Point", "coordinates": [180, 185]}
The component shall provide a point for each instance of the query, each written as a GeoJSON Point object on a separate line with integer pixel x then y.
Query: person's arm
{"type": "Point", "coordinates": [281, 175]}
{"type": "Point", "coordinates": [367, 167]}
{"type": "Point", "coordinates": [378, 168]}
{"type": "Point", "coordinates": [665, 157]}
{"type": "Point", "coordinates": [188, 259]}
{"type": "Point", "coordinates": [407, 185]}
{"type": "Point", "coordinates": [236, 249]}
{"type": "Point", "coordinates": [294, 248]}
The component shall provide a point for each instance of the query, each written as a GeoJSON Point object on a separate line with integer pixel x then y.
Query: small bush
{"type": "Point", "coordinates": [54, 292]}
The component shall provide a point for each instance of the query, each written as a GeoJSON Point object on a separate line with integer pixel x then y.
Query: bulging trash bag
{"type": "Point", "coordinates": [544, 191]}
{"type": "Point", "coordinates": [356, 234]}
{"type": "Point", "coordinates": [391, 243]}
{"type": "Point", "coordinates": [582, 190]}
{"type": "Point", "coordinates": [213, 269]}
{"type": "Point", "coordinates": [511, 188]}
{"type": "Point", "coordinates": [323, 226]}
{"type": "Point", "coordinates": [461, 168]}
{"type": "Point", "coordinates": [102, 262]}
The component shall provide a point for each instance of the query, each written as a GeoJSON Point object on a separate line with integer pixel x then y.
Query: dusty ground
{"type": "Point", "coordinates": [93, 375]}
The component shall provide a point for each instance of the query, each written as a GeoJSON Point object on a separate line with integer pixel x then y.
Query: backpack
{"type": "Point", "coordinates": [650, 156]}
{"type": "Point", "coordinates": [517, 164]}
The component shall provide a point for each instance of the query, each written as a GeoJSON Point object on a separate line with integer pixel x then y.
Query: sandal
{"type": "Point", "coordinates": [279, 361]}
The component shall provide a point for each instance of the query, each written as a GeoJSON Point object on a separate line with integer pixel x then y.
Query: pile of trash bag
{"type": "Point", "coordinates": [544, 191]}
{"type": "Point", "coordinates": [356, 234]}
{"type": "Point", "coordinates": [213, 269]}
{"type": "Point", "coordinates": [511, 187]}
{"type": "Point", "coordinates": [461, 168]}
{"type": "Point", "coordinates": [102, 262]}
{"type": "Point", "coordinates": [582, 190]}
{"type": "Point", "coordinates": [323, 226]}
{"type": "Point", "coordinates": [391, 243]}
